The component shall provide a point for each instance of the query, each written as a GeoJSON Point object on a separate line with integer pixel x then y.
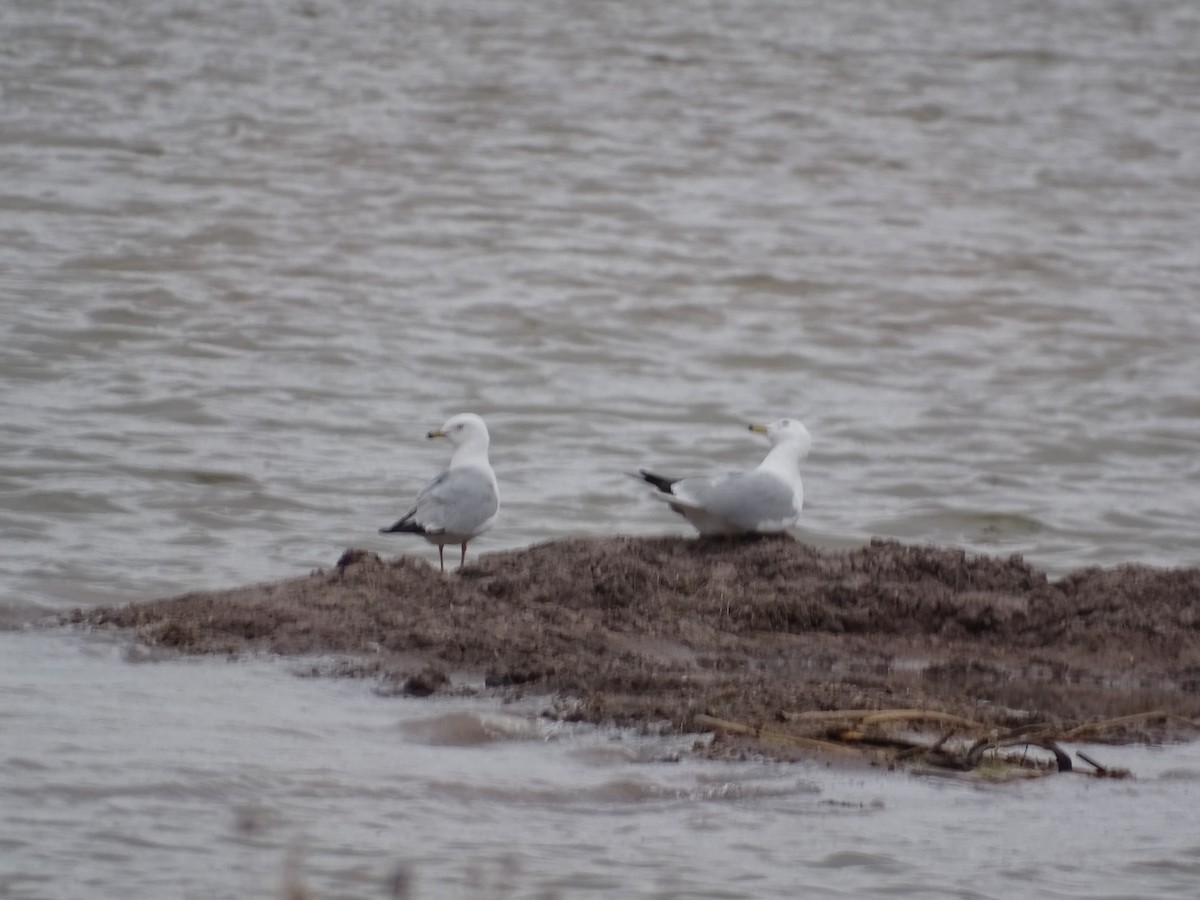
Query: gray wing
{"type": "Point", "coordinates": [749, 500]}
{"type": "Point", "coordinates": [459, 501]}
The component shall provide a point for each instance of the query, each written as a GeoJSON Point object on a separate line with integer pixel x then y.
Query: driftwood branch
{"type": "Point", "coordinates": [783, 737]}
{"type": "Point", "coordinates": [865, 733]}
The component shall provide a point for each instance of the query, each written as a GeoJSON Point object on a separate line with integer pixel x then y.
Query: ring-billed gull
{"type": "Point", "coordinates": [462, 502]}
{"type": "Point", "coordinates": [764, 500]}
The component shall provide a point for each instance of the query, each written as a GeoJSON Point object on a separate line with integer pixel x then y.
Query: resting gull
{"type": "Point", "coordinates": [764, 500]}
{"type": "Point", "coordinates": [461, 503]}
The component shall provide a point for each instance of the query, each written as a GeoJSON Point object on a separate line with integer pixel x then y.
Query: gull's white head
{"type": "Point", "coordinates": [465, 428]}
{"type": "Point", "coordinates": [787, 431]}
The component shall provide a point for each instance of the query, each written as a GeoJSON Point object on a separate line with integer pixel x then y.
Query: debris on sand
{"type": "Point", "coordinates": [932, 742]}
{"type": "Point", "coordinates": [766, 632]}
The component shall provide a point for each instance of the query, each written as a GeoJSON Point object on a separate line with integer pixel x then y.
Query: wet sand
{"type": "Point", "coordinates": [658, 631]}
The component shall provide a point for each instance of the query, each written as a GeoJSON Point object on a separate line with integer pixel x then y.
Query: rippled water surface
{"type": "Point", "coordinates": [251, 252]}
{"type": "Point", "coordinates": [127, 777]}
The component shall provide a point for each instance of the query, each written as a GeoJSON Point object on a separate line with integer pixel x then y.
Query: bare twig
{"type": "Point", "coordinates": [1089, 728]}
{"type": "Point", "coordinates": [778, 736]}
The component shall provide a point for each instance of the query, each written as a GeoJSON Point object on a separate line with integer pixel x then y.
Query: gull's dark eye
{"type": "Point", "coordinates": [787, 422]}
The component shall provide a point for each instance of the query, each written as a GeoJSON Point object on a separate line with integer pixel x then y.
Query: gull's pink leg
{"type": "Point", "coordinates": [463, 560]}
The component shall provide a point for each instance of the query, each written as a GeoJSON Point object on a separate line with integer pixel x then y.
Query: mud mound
{"type": "Point", "coordinates": [641, 629]}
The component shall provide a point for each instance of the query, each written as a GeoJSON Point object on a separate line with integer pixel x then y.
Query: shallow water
{"type": "Point", "coordinates": [252, 253]}
{"type": "Point", "coordinates": [122, 776]}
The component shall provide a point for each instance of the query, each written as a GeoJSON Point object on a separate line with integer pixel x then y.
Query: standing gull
{"type": "Point", "coordinates": [764, 500]}
{"type": "Point", "coordinates": [461, 503]}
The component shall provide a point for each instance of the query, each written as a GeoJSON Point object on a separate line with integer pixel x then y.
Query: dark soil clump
{"type": "Point", "coordinates": [640, 630]}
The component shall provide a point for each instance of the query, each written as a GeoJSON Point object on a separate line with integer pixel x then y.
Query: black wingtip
{"type": "Point", "coordinates": [663, 484]}
{"type": "Point", "coordinates": [404, 526]}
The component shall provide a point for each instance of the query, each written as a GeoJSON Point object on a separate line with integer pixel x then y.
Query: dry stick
{"type": "Point", "coordinates": [765, 734]}
{"type": "Point", "coordinates": [875, 740]}
{"type": "Point", "coordinates": [928, 715]}
{"type": "Point", "coordinates": [879, 716]}
{"type": "Point", "coordinates": [1103, 770]}
{"type": "Point", "coordinates": [1089, 727]}
{"type": "Point", "coordinates": [906, 749]}
{"type": "Point", "coordinates": [825, 715]}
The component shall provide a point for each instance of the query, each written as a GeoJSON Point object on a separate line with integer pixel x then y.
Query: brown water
{"type": "Point", "coordinates": [252, 252]}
